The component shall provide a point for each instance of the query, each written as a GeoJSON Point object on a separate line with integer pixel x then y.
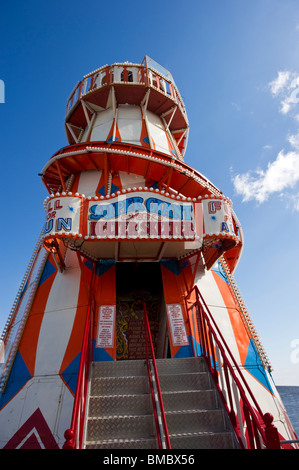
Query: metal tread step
{"type": "Point", "coordinates": [199, 434]}
{"type": "Point", "coordinates": [194, 410]}
{"type": "Point", "coordinates": [203, 440]}
{"type": "Point", "coordinates": [181, 365]}
{"type": "Point", "coordinates": [112, 385]}
{"type": "Point", "coordinates": [111, 405]}
{"type": "Point", "coordinates": [109, 395]}
{"type": "Point", "coordinates": [122, 444]}
{"type": "Point", "coordinates": [119, 369]}
{"type": "Point", "coordinates": [120, 427]}
{"type": "Point", "coordinates": [196, 421]}
{"type": "Point", "coordinates": [190, 399]}
{"type": "Point", "coordinates": [185, 381]}
{"type": "Point", "coordinates": [120, 414]}
{"type": "Point", "coordinates": [124, 416]}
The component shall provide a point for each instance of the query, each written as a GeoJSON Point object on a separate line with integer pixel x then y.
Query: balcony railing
{"type": "Point", "coordinates": [126, 74]}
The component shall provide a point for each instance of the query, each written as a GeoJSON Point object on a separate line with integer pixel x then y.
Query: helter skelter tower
{"type": "Point", "coordinates": [128, 330]}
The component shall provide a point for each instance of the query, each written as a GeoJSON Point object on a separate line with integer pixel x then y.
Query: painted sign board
{"type": "Point", "coordinates": [217, 217]}
{"type": "Point", "coordinates": [141, 215]}
{"type": "Point", "coordinates": [106, 326]}
{"type": "Point", "coordinates": [177, 325]}
{"type": "Point", "coordinates": [63, 216]}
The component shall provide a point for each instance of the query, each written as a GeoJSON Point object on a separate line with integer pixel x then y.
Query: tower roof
{"type": "Point", "coordinates": [148, 85]}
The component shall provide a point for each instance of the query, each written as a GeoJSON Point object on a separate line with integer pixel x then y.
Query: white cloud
{"type": "Point", "coordinates": [280, 82]}
{"type": "Point", "coordinates": [294, 140]}
{"type": "Point", "coordinates": [295, 201]}
{"type": "Point", "coordinates": [286, 85]}
{"type": "Point", "coordinates": [281, 174]}
{"type": "Point", "coordinates": [235, 105]}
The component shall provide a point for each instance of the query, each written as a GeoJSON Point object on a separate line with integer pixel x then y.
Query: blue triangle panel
{"type": "Point", "coordinates": [184, 351]}
{"type": "Point", "coordinates": [102, 191]}
{"type": "Point", "coordinates": [254, 365]}
{"type": "Point", "coordinates": [172, 265]}
{"type": "Point", "coordinates": [112, 140]}
{"type": "Point", "coordinates": [19, 375]}
{"type": "Point", "coordinates": [114, 188]}
{"type": "Point", "coordinates": [49, 269]}
{"type": "Point", "coordinates": [103, 266]}
{"type": "Point", "coordinates": [217, 268]}
{"type": "Point", "coordinates": [89, 264]}
{"type": "Point", "coordinates": [185, 263]}
{"type": "Point", "coordinates": [100, 355]}
{"type": "Point", "coordinates": [70, 374]}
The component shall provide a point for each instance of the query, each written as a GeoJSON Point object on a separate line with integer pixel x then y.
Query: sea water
{"type": "Point", "coordinates": [290, 398]}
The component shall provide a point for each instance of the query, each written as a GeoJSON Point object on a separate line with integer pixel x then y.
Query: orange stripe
{"type": "Point", "coordinates": [75, 184]}
{"type": "Point", "coordinates": [75, 341]}
{"type": "Point", "coordinates": [173, 287]}
{"type": "Point", "coordinates": [30, 336]}
{"type": "Point", "coordinates": [241, 335]}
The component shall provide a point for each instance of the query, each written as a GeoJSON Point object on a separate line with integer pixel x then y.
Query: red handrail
{"type": "Point", "coordinates": [151, 387]}
{"type": "Point", "coordinates": [74, 435]}
{"type": "Point", "coordinates": [212, 339]}
{"type": "Point", "coordinates": [149, 337]}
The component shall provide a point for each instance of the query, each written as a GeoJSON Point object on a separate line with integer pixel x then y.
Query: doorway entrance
{"type": "Point", "coordinates": [137, 283]}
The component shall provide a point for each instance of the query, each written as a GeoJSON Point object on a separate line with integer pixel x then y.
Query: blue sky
{"type": "Point", "coordinates": [235, 63]}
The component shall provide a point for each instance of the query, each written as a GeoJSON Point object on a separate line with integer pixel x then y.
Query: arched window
{"type": "Point", "coordinates": [104, 79]}
{"type": "Point", "coordinates": [96, 81]}
{"type": "Point", "coordinates": [126, 76]}
{"type": "Point", "coordinates": [130, 76]}
{"type": "Point", "coordinates": [162, 85]}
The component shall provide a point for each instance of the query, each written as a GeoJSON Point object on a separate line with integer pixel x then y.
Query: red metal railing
{"type": "Point", "coordinates": [163, 433]}
{"type": "Point", "coordinates": [254, 430]}
{"type": "Point", "coordinates": [138, 74]}
{"type": "Point", "coordinates": [74, 435]}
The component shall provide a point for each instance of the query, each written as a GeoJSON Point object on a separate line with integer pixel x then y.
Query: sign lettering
{"type": "Point", "coordinates": [177, 325]}
{"type": "Point", "coordinates": [105, 336]}
{"type": "Point", "coordinates": [138, 215]}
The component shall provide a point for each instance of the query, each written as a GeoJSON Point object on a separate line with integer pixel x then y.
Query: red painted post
{"type": "Point", "coordinates": [69, 439]}
{"type": "Point", "coordinates": [272, 436]}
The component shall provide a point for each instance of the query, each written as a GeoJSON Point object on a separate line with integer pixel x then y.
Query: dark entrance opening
{"type": "Point", "coordinates": [137, 283]}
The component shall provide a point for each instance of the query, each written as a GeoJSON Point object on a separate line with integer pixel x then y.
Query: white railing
{"type": "Point", "coordinates": [127, 74]}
